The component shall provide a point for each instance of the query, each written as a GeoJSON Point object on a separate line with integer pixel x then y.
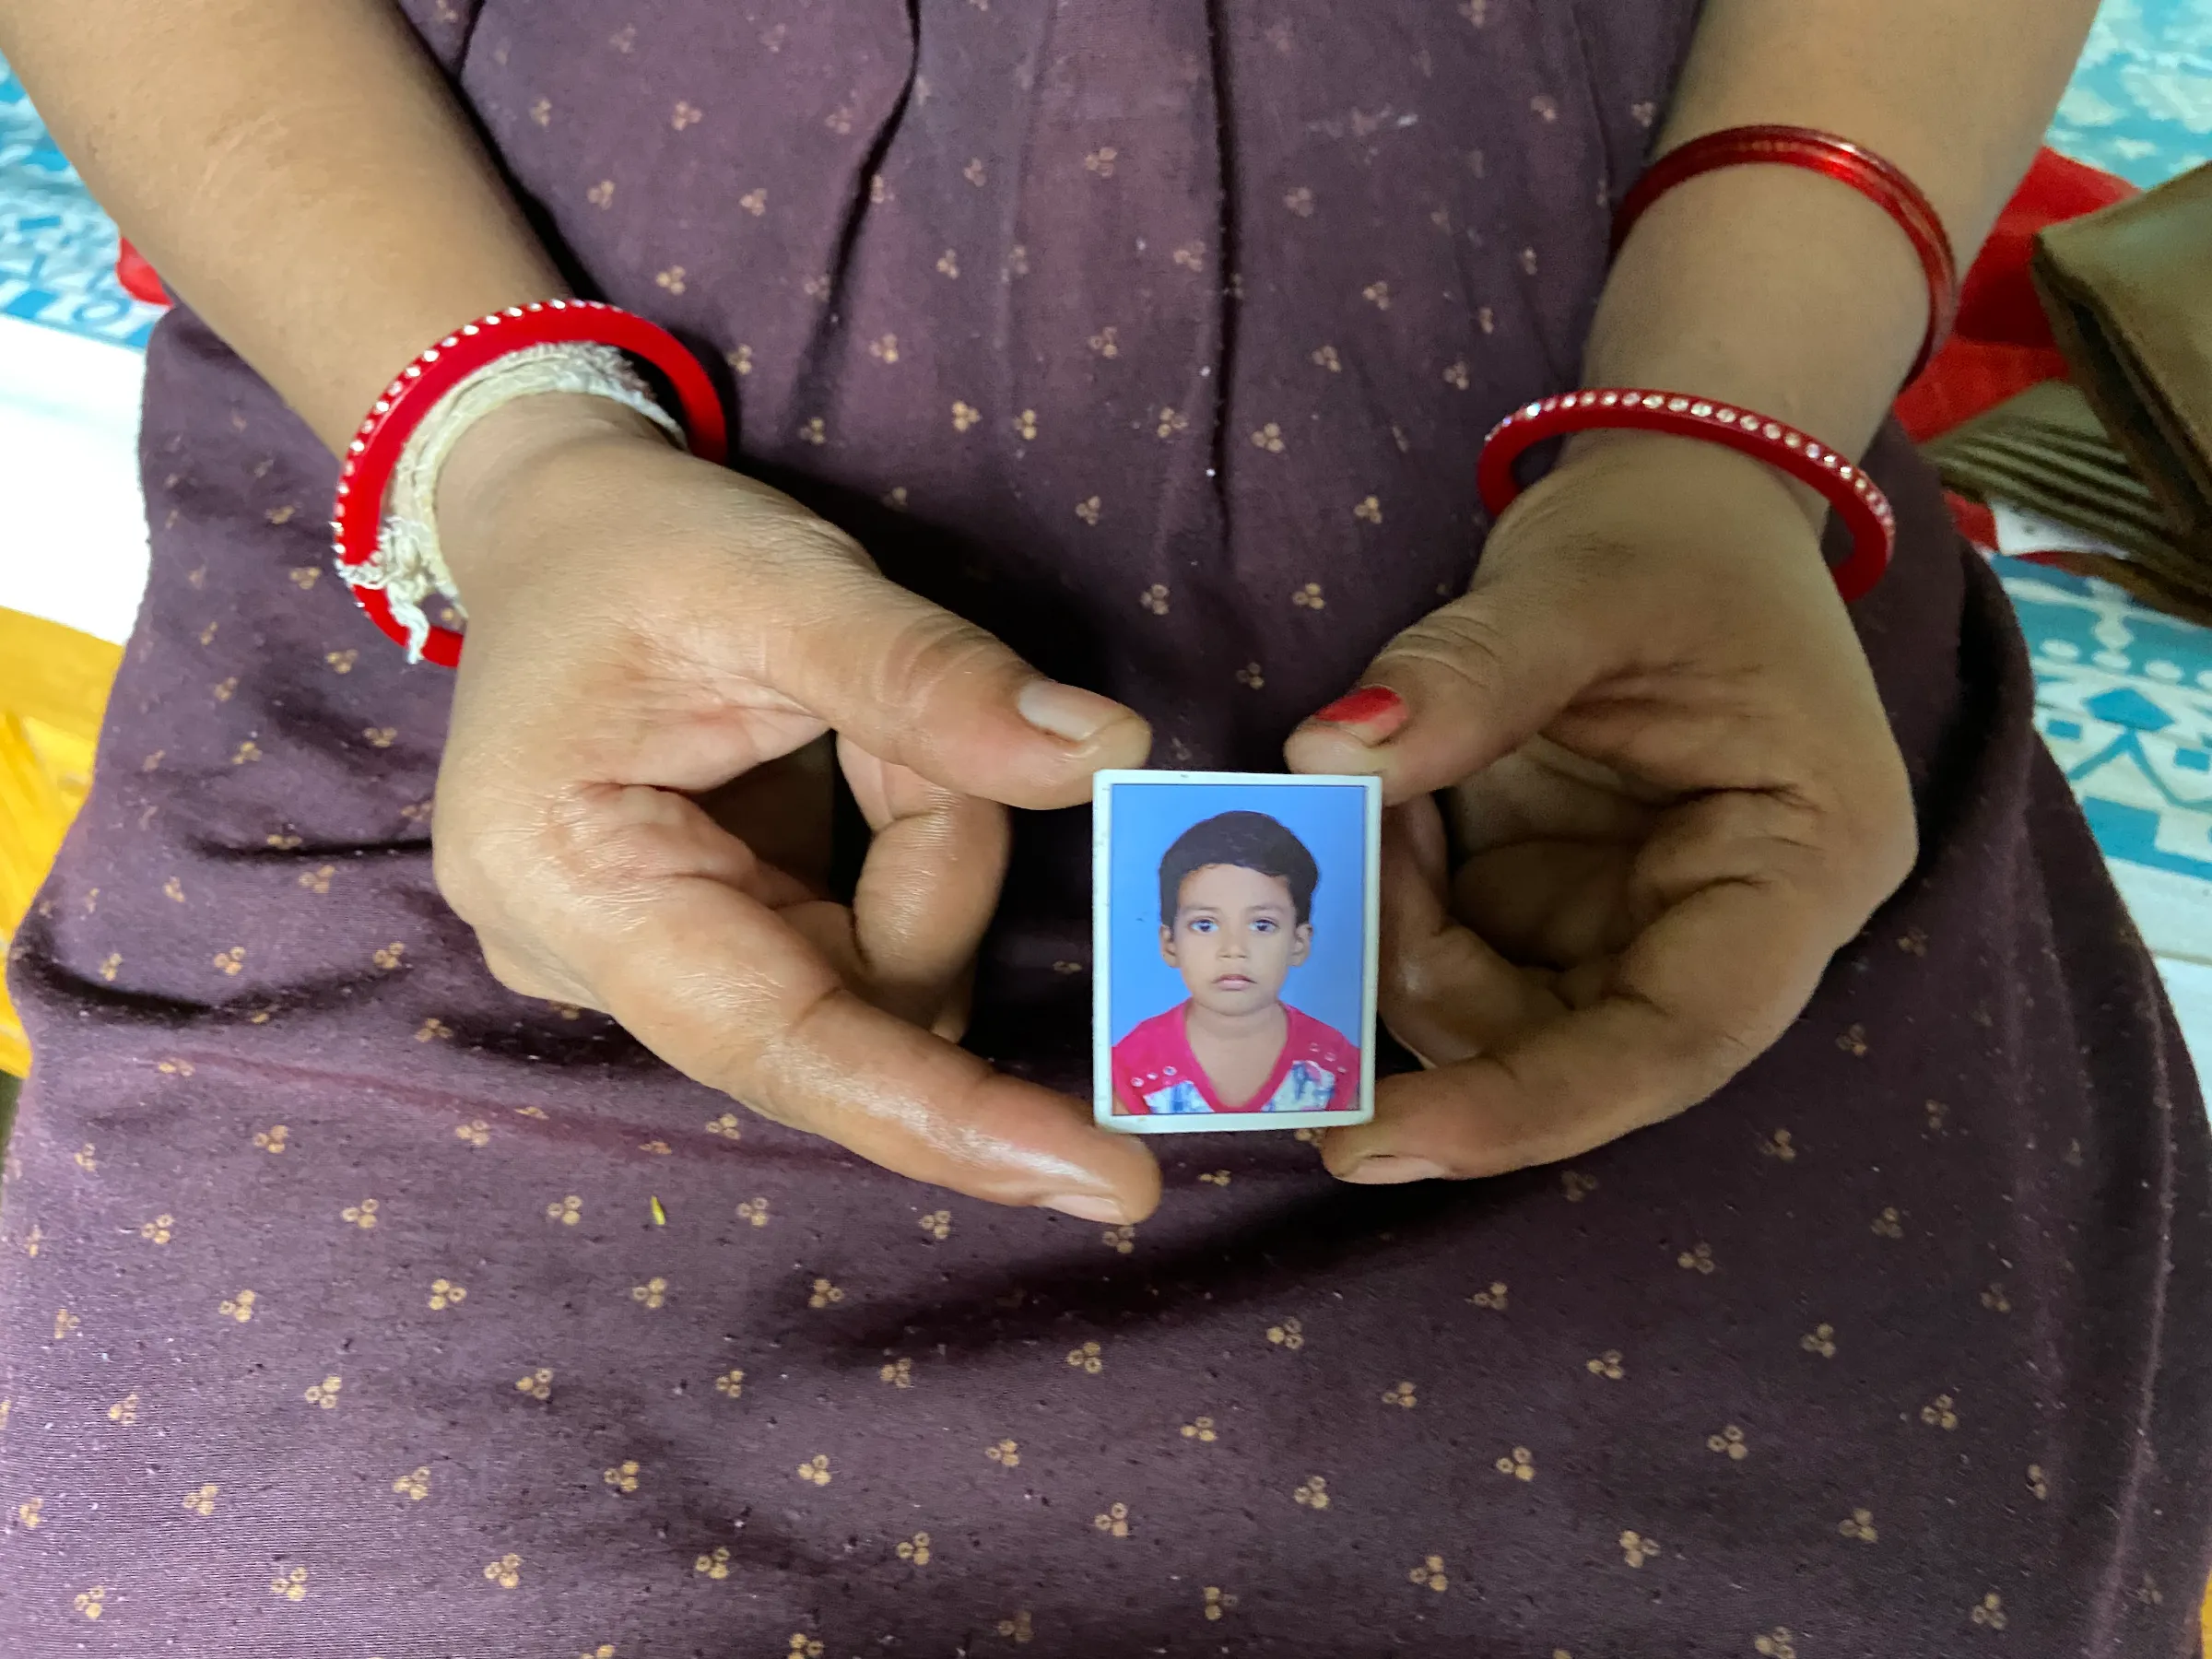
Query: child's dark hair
{"type": "Point", "coordinates": [1250, 841]}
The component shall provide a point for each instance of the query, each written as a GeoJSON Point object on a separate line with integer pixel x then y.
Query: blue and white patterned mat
{"type": "Point", "coordinates": [2124, 699]}
{"type": "Point", "coordinates": [58, 249]}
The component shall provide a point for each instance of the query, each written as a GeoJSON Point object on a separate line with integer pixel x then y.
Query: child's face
{"type": "Point", "coordinates": [1236, 938]}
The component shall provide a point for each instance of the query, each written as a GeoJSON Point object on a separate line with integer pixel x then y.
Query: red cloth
{"type": "Point", "coordinates": [2002, 343]}
{"type": "Point", "coordinates": [137, 278]}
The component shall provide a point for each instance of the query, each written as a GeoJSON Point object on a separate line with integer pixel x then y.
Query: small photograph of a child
{"type": "Point", "coordinates": [1234, 950]}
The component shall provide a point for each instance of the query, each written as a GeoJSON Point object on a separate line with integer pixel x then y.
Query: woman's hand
{"type": "Point", "coordinates": [1673, 795]}
{"type": "Point", "coordinates": [643, 630]}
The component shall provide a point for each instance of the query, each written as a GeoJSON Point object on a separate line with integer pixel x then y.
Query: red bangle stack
{"type": "Point", "coordinates": [1878, 181]}
{"type": "Point", "coordinates": [355, 518]}
{"type": "Point", "coordinates": [1858, 501]}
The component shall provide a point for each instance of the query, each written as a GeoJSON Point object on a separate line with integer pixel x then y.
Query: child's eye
{"type": "Point", "coordinates": [1201, 924]}
{"type": "Point", "coordinates": [1263, 925]}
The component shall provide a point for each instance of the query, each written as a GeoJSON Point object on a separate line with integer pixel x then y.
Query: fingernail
{"type": "Point", "coordinates": [1066, 710]}
{"type": "Point", "coordinates": [1086, 1206]}
{"type": "Point", "coordinates": [1378, 708]}
{"type": "Point", "coordinates": [1387, 1168]}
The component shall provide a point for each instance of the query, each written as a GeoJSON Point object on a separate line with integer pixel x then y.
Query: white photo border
{"type": "Point", "coordinates": [1101, 951]}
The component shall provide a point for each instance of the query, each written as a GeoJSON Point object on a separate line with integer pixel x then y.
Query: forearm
{"type": "Point", "coordinates": [297, 172]}
{"type": "Point", "coordinates": [1787, 292]}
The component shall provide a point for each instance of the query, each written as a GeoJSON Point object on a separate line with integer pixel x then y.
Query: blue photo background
{"type": "Point", "coordinates": [1330, 818]}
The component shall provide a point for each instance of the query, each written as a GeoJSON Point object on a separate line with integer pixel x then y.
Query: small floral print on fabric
{"type": "Point", "coordinates": [1577, 1185]}
{"type": "Point", "coordinates": [1636, 1550]}
{"type": "Point", "coordinates": [1889, 1224]}
{"type": "Point", "coordinates": [1778, 1146]}
{"type": "Point", "coordinates": [415, 1484]}
{"type": "Point", "coordinates": [1018, 1628]}
{"type": "Point", "coordinates": [1520, 1463]}
{"type": "Point", "coordinates": [1201, 1429]}
{"type": "Point", "coordinates": [1777, 1644]}
{"type": "Point", "coordinates": [1493, 1299]}
{"type": "Point", "coordinates": [915, 1549]}
{"type": "Point", "coordinates": [92, 1602]}
{"type": "Point", "coordinates": [937, 1224]}
{"type": "Point", "coordinates": [1859, 1524]}
{"type": "Point", "coordinates": [1607, 1365]}
{"type": "Point", "coordinates": [1120, 1239]}
{"type": "Point", "coordinates": [651, 1294]}
{"type": "Point", "coordinates": [537, 1384]}
{"type": "Point", "coordinates": [1401, 1394]}
{"type": "Point", "coordinates": [291, 1586]}
{"type": "Point", "coordinates": [239, 1307]}
{"type": "Point", "coordinates": [506, 1572]}
{"type": "Point", "coordinates": [159, 1231]}
{"type": "Point", "coordinates": [1989, 1612]}
{"type": "Point", "coordinates": [898, 1374]}
{"type": "Point", "coordinates": [816, 1470]}
{"type": "Point", "coordinates": [1698, 1259]}
{"type": "Point", "coordinates": [622, 1476]}
{"type": "Point", "coordinates": [125, 1410]}
{"type": "Point", "coordinates": [1730, 1443]}
{"type": "Point", "coordinates": [1290, 1335]}
{"type": "Point", "coordinates": [1940, 1413]}
{"type": "Point", "coordinates": [567, 1211]}
{"type": "Point", "coordinates": [324, 1394]}
{"type": "Point", "coordinates": [1113, 1522]}
{"type": "Point", "coordinates": [714, 1565]}
{"type": "Point", "coordinates": [1087, 1358]}
{"type": "Point", "coordinates": [444, 1294]}
{"type": "Point", "coordinates": [1820, 1340]}
{"type": "Point", "coordinates": [361, 1214]}
{"type": "Point", "coordinates": [1216, 1601]}
{"type": "Point", "coordinates": [200, 1501]}
{"type": "Point", "coordinates": [726, 1127]}
{"type": "Point", "coordinates": [824, 1295]}
{"type": "Point", "coordinates": [1006, 1453]}
{"type": "Point", "coordinates": [1431, 1574]}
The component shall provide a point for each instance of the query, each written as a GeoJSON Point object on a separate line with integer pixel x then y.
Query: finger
{"type": "Point", "coordinates": [717, 984]}
{"type": "Point", "coordinates": [1444, 994]}
{"type": "Point", "coordinates": [928, 889]}
{"type": "Point", "coordinates": [1713, 982]}
{"type": "Point", "coordinates": [1462, 687]}
{"type": "Point", "coordinates": [1550, 903]}
{"type": "Point", "coordinates": [920, 688]}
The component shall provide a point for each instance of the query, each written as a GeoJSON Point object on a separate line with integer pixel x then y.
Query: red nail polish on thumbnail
{"type": "Point", "coordinates": [1377, 706]}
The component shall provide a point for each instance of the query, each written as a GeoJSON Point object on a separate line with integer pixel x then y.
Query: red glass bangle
{"type": "Point", "coordinates": [1880, 182]}
{"type": "Point", "coordinates": [1857, 500]}
{"type": "Point", "coordinates": [355, 516]}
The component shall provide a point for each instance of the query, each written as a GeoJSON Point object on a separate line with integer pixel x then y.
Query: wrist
{"type": "Point", "coordinates": [1769, 289]}
{"type": "Point", "coordinates": [493, 464]}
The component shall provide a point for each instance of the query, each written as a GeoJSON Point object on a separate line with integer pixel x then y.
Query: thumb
{"type": "Point", "coordinates": [917, 687]}
{"type": "Point", "coordinates": [1462, 687]}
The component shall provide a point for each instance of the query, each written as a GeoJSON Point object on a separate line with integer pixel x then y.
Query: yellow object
{"type": "Point", "coordinates": [53, 688]}
{"type": "Point", "coordinates": [660, 1216]}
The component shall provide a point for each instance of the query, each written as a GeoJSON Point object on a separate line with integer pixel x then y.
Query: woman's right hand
{"type": "Point", "coordinates": [644, 628]}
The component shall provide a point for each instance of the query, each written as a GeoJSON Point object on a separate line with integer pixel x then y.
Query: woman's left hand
{"type": "Point", "coordinates": [1673, 794]}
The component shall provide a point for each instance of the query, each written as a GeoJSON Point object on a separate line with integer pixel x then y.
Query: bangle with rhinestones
{"type": "Point", "coordinates": [357, 514]}
{"type": "Point", "coordinates": [1857, 500]}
